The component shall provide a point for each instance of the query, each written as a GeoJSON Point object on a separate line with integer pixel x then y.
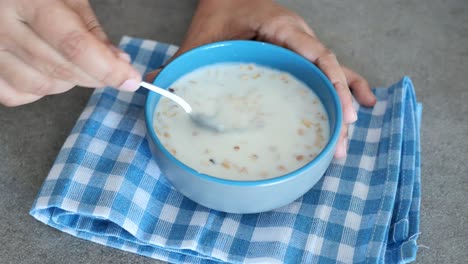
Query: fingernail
{"type": "Point", "coordinates": [120, 53]}
{"type": "Point", "coordinates": [124, 56]}
{"type": "Point", "coordinates": [341, 150]}
{"type": "Point", "coordinates": [114, 49]}
{"type": "Point", "coordinates": [129, 85]}
{"type": "Point", "coordinates": [350, 116]}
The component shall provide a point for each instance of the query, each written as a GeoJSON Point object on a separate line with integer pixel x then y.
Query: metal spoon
{"type": "Point", "coordinates": [200, 119]}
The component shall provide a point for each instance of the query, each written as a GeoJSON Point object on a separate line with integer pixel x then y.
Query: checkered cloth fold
{"type": "Point", "coordinates": [104, 187]}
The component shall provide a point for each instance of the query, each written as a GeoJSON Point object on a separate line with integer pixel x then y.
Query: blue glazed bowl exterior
{"type": "Point", "coordinates": [245, 196]}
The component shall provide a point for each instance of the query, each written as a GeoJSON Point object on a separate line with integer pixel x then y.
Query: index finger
{"type": "Point", "coordinates": [64, 30]}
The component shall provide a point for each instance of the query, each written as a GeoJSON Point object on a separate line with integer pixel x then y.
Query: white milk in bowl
{"type": "Point", "coordinates": [274, 124]}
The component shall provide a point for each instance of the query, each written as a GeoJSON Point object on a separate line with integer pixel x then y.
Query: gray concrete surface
{"type": "Point", "coordinates": [427, 40]}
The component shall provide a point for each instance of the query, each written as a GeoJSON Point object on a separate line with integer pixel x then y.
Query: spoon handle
{"type": "Point", "coordinates": [179, 100]}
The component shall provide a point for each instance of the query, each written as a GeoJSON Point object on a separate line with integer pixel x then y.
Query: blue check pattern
{"type": "Point", "coordinates": [104, 187]}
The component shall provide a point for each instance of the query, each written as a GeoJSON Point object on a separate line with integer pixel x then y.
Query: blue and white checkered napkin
{"type": "Point", "coordinates": [105, 187]}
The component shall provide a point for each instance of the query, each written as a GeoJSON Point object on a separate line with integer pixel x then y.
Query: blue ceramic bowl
{"type": "Point", "coordinates": [245, 196]}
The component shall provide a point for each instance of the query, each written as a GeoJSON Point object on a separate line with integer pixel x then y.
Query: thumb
{"type": "Point", "coordinates": [86, 13]}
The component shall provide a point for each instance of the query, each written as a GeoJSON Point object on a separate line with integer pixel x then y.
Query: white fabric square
{"type": "Point", "coordinates": [367, 162]}
{"type": "Point", "coordinates": [83, 175]}
{"type": "Point", "coordinates": [171, 50]}
{"type": "Point", "coordinates": [154, 168]}
{"type": "Point", "coordinates": [353, 220]}
{"type": "Point", "coordinates": [124, 40]}
{"type": "Point", "coordinates": [71, 205]}
{"type": "Point", "coordinates": [102, 211]}
{"type": "Point", "coordinates": [199, 219]}
{"type": "Point", "coordinates": [323, 212]}
{"type": "Point", "coordinates": [112, 119]}
{"type": "Point", "coordinates": [379, 108]}
{"type": "Point", "coordinates": [229, 227]}
{"type": "Point", "coordinates": [86, 113]}
{"type": "Point", "coordinates": [168, 213]}
{"type": "Point", "coordinates": [345, 253]}
{"type": "Point", "coordinates": [373, 135]}
{"type": "Point", "coordinates": [188, 244]}
{"type": "Point", "coordinates": [130, 226]}
{"type": "Point", "coordinates": [219, 254]}
{"type": "Point", "coordinates": [55, 171]}
{"type": "Point", "coordinates": [141, 198]}
{"type": "Point", "coordinates": [126, 155]}
{"type": "Point", "coordinates": [314, 244]}
{"type": "Point", "coordinates": [264, 260]}
{"type": "Point", "coordinates": [158, 239]}
{"type": "Point", "coordinates": [70, 140]}
{"type": "Point", "coordinates": [148, 45]}
{"type": "Point", "coordinates": [273, 233]}
{"type": "Point", "coordinates": [360, 190]}
{"type": "Point", "coordinates": [331, 184]}
{"type": "Point", "coordinates": [42, 201]}
{"type": "Point", "coordinates": [139, 128]}
{"type": "Point", "coordinates": [97, 146]}
{"type": "Point", "coordinates": [113, 183]}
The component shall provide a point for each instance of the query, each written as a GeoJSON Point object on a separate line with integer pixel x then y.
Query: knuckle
{"type": "Point", "coordinates": [330, 54]}
{"type": "Point", "coordinates": [283, 31]}
{"type": "Point", "coordinates": [73, 44]}
{"type": "Point", "coordinates": [21, 8]}
{"type": "Point", "coordinates": [93, 25]}
{"type": "Point", "coordinates": [320, 47]}
{"type": "Point", "coordinates": [278, 24]}
{"type": "Point", "coordinates": [60, 71]}
{"type": "Point", "coordinates": [108, 75]}
{"type": "Point", "coordinates": [74, 2]}
{"type": "Point", "coordinates": [78, 2]}
{"type": "Point", "coordinates": [297, 19]}
{"type": "Point", "coordinates": [326, 56]}
{"type": "Point", "coordinates": [43, 87]}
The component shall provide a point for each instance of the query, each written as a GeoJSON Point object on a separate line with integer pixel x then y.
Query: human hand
{"type": "Point", "coordinates": [49, 46]}
{"type": "Point", "coordinates": [264, 20]}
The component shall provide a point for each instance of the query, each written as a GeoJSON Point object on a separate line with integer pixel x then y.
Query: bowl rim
{"type": "Point", "coordinates": [329, 146]}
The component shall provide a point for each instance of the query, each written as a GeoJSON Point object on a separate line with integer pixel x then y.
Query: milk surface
{"type": "Point", "coordinates": [274, 124]}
